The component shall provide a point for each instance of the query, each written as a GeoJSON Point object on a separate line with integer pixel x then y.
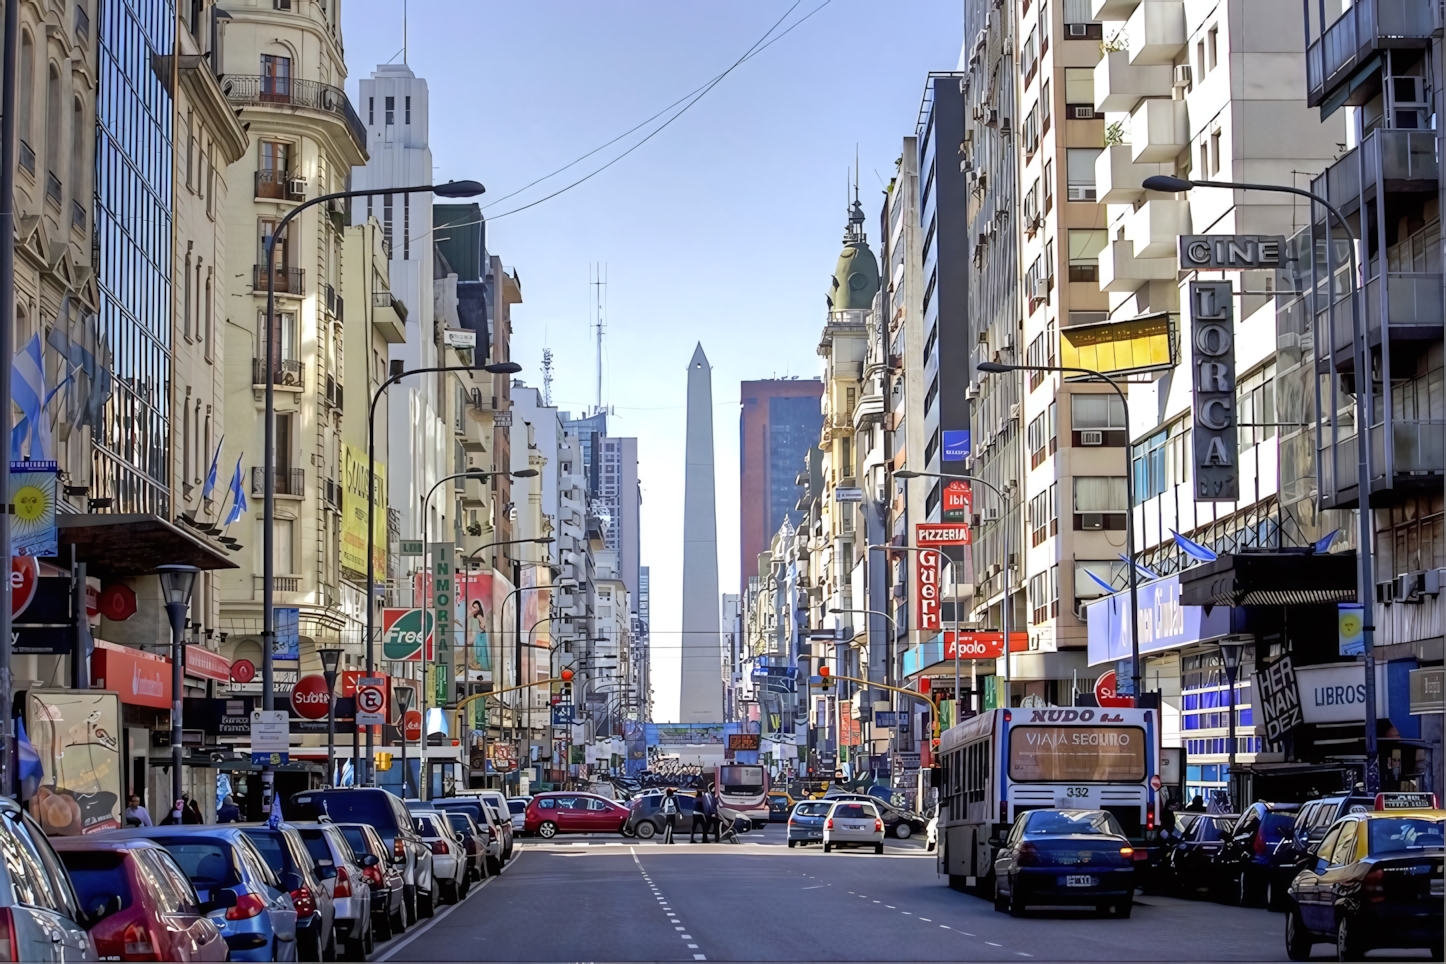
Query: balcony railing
{"type": "Point", "coordinates": [287, 481]}
{"type": "Point", "coordinates": [280, 185]}
{"type": "Point", "coordinates": [1366, 26]}
{"type": "Point", "coordinates": [1397, 156]}
{"type": "Point", "coordinates": [1417, 447]}
{"type": "Point", "coordinates": [381, 299]}
{"type": "Point", "coordinates": [251, 91]}
{"type": "Point", "coordinates": [289, 281]}
{"type": "Point", "coordinates": [287, 371]}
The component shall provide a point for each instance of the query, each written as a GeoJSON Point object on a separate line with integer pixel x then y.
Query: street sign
{"type": "Point", "coordinates": [412, 726]}
{"type": "Point", "coordinates": [269, 759]}
{"type": "Point", "coordinates": [411, 547]}
{"type": "Point", "coordinates": [847, 494]}
{"type": "Point", "coordinates": [371, 701]}
{"type": "Point", "coordinates": [311, 697]}
{"type": "Point", "coordinates": [270, 731]}
{"type": "Point", "coordinates": [930, 534]}
{"type": "Point", "coordinates": [1106, 692]}
{"type": "Point", "coordinates": [562, 714]}
{"type": "Point", "coordinates": [1230, 252]}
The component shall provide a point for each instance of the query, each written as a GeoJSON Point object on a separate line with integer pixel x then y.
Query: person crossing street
{"type": "Point", "coordinates": [669, 811]}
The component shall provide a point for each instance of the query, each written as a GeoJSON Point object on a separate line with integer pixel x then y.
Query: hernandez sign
{"type": "Point", "coordinates": [1279, 699]}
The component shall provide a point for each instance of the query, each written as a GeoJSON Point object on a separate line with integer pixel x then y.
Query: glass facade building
{"type": "Point", "coordinates": [132, 253]}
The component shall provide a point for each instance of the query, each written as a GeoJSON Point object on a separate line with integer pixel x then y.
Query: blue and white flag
{"type": "Point", "coordinates": [1103, 585]}
{"type": "Point", "coordinates": [27, 388]}
{"type": "Point", "coordinates": [274, 819]}
{"type": "Point", "coordinates": [210, 485]}
{"type": "Point", "coordinates": [1194, 549]}
{"type": "Point", "coordinates": [1141, 568]}
{"type": "Point", "coordinates": [238, 494]}
{"type": "Point", "coordinates": [1324, 544]}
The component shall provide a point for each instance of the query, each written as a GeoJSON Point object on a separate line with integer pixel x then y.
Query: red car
{"type": "Point", "coordinates": [549, 814]}
{"type": "Point", "coordinates": [150, 909]}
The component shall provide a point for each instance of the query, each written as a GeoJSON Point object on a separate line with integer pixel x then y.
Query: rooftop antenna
{"type": "Point", "coordinates": [547, 377]}
{"type": "Point", "coordinates": [404, 31]}
{"type": "Point", "coordinates": [599, 284]}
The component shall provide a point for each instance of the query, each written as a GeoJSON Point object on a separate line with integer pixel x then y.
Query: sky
{"type": "Point", "coordinates": [722, 229]}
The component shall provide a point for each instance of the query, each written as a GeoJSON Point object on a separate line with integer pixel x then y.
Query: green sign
{"type": "Point", "coordinates": [444, 587]}
{"type": "Point", "coordinates": [403, 633]}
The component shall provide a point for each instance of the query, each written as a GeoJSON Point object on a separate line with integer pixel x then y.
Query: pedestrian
{"type": "Point", "coordinates": [177, 814]}
{"type": "Point", "coordinates": [710, 803]}
{"type": "Point", "coordinates": [668, 809]}
{"type": "Point", "coordinates": [192, 813]}
{"type": "Point", "coordinates": [136, 813]}
{"type": "Point", "coordinates": [1197, 805]}
{"type": "Point", "coordinates": [229, 812]}
{"type": "Point", "coordinates": [700, 816]}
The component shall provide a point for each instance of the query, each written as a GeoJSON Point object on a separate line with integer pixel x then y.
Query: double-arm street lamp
{"type": "Point", "coordinates": [452, 189]}
{"type": "Point", "coordinates": [1365, 560]}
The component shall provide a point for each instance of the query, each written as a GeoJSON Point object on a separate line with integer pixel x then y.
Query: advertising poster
{"type": "Point", "coordinates": [76, 735]}
{"type": "Point", "coordinates": [287, 642]}
{"type": "Point", "coordinates": [33, 531]}
{"type": "Point", "coordinates": [473, 624]}
{"type": "Point", "coordinates": [354, 512]}
{"type": "Point", "coordinates": [404, 632]}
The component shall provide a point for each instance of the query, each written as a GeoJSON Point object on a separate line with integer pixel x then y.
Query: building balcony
{"type": "Point", "coordinates": [1410, 303]}
{"type": "Point", "coordinates": [1401, 160]}
{"type": "Point", "coordinates": [279, 186]}
{"type": "Point", "coordinates": [1159, 130]}
{"type": "Point", "coordinates": [289, 281]}
{"type": "Point", "coordinates": [287, 481]}
{"type": "Point", "coordinates": [1120, 85]}
{"type": "Point", "coordinates": [1118, 179]}
{"type": "Point", "coordinates": [1156, 32]}
{"type": "Point", "coordinates": [1156, 225]}
{"type": "Point", "coordinates": [1411, 448]}
{"type": "Point", "coordinates": [286, 92]}
{"type": "Point", "coordinates": [1114, 10]}
{"type": "Point", "coordinates": [1365, 27]}
{"type": "Point", "coordinates": [287, 372]}
{"type": "Point", "coordinates": [1120, 270]}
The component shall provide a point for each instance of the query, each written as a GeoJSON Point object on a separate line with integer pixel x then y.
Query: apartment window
{"type": "Point", "coordinates": [1255, 403]}
{"type": "Point", "coordinates": [371, 111]}
{"type": "Point", "coordinates": [210, 312]}
{"type": "Point", "coordinates": [846, 458]}
{"type": "Point", "coordinates": [190, 147]}
{"type": "Point", "coordinates": [1212, 44]}
{"type": "Point", "coordinates": [1044, 515]}
{"type": "Point", "coordinates": [1099, 502]}
{"type": "Point", "coordinates": [387, 222]}
{"type": "Point", "coordinates": [1044, 596]}
{"type": "Point", "coordinates": [1079, 90]}
{"type": "Point", "coordinates": [1149, 467]}
{"type": "Point", "coordinates": [1178, 454]}
{"type": "Point", "coordinates": [1215, 152]}
{"type": "Point", "coordinates": [186, 301]}
{"type": "Point", "coordinates": [1043, 26]}
{"type": "Point", "coordinates": [1109, 571]}
{"type": "Point", "coordinates": [1044, 107]}
{"type": "Point", "coordinates": [275, 78]}
{"type": "Point", "coordinates": [1048, 182]}
{"type": "Point", "coordinates": [1029, 55]}
{"type": "Point", "coordinates": [283, 545]}
{"type": "Point", "coordinates": [1040, 437]}
{"type": "Point", "coordinates": [1200, 58]}
{"type": "Point", "coordinates": [407, 106]}
{"type": "Point", "coordinates": [390, 111]}
{"type": "Point", "coordinates": [1040, 352]}
{"type": "Point", "coordinates": [52, 127]}
{"type": "Point", "coordinates": [1204, 159]}
{"type": "Point", "coordinates": [1032, 216]}
{"type": "Point", "coordinates": [1085, 246]}
{"type": "Point", "coordinates": [186, 437]}
{"type": "Point", "coordinates": [1096, 413]}
{"type": "Point", "coordinates": [1031, 131]}
{"type": "Point", "coordinates": [1080, 171]}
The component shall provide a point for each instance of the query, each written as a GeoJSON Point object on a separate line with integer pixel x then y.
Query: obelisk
{"type": "Point", "coordinates": [701, 694]}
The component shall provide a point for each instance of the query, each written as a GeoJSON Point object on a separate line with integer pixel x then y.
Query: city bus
{"type": "Point", "coordinates": [1004, 762]}
{"type": "Point", "coordinates": [743, 787]}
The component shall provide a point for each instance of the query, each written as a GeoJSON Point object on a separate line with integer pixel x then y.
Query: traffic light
{"type": "Point", "coordinates": [827, 681]}
{"type": "Point", "coordinates": [384, 761]}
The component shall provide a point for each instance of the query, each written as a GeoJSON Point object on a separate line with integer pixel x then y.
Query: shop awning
{"type": "Point", "coordinates": [116, 546]}
{"type": "Point", "coordinates": [1271, 579]}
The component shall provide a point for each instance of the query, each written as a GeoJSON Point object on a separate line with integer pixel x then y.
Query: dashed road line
{"type": "Point", "coordinates": [664, 906]}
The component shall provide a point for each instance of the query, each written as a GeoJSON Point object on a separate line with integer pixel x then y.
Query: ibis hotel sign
{"type": "Point", "coordinates": [1230, 252]}
{"type": "Point", "coordinates": [1212, 337]}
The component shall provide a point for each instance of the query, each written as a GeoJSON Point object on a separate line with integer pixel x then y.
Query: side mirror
{"type": "Point", "coordinates": [370, 860]}
{"type": "Point", "coordinates": [220, 900]}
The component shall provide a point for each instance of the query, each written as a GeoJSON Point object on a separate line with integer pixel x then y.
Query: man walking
{"type": "Point", "coordinates": [700, 816]}
{"type": "Point", "coordinates": [710, 804]}
{"type": "Point", "coordinates": [668, 809]}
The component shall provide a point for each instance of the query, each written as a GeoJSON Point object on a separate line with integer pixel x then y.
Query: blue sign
{"type": "Point", "coordinates": [287, 644]}
{"type": "Point", "coordinates": [562, 714]}
{"type": "Point", "coordinates": [956, 445]}
{"type": "Point", "coordinates": [270, 759]}
{"type": "Point", "coordinates": [886, 718]}
{"type": "Point", "coordinates": [1164, 622]}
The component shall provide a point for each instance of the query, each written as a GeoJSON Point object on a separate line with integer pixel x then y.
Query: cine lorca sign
{"type": "Point", "coordinates": [1212, 323]}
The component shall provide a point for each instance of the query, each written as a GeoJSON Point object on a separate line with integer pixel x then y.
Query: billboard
{"type": "Point", "coordinates": [354, 512]}
{"type": "Point", "coordinates": [405, 632]}
{"type": "Point", "coordinates": [475, 612]}
{"type": "Point", "coordinates": [76, 735]}
{"type": "Point", "coordinates": [1117, 347]}
{"type": "Point", "coordinates": [32, 487]}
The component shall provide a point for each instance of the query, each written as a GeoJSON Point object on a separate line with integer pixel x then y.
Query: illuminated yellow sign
{"type": "Point", "coordinates": [1118, 347]}
{"type": "Point", "coordinates": [354, 512]}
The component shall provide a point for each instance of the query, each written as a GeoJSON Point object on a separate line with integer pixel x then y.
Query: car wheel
{"type": "Point", "coordinates": [494, 866]}
{"type": "Point", "coordinates": [791, 843]}
{"type": "Point", "coordinates": [1247, 894]}
{"type": "Point", "coordinates": [1001, 903]}
{"type": "Point", "coordinates": [381, 927]}
{"type": "Point", "coordinates": [1123, 908]}
{"type": "Point", "coordinates": [645, 830]}
{"type": "Point", "coordinates": [356, 949]}
{"type": "Point", "coordinates": [903, 830]}
{"type": "Point", "coordinates": [547, 830]}
{"type": "Point", "coordinates": [398, 921]}
{"type": "Point", "coordinates": [1349, 946]}
{"type": "Point", "coordinates": [308, 946]}
{"type": "Point", "coordinates": [1298, 940]}
{"type": "Point", "coordinates": [427, 903]}
{"type": "Point", "coordinates": [878, 848]}
{"type": "Point", "coordinates": [1016, 901]}
{"type": "Point", "coordinates": [449, 892]}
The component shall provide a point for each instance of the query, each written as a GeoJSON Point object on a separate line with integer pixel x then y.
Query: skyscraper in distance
{"type": "Point", "coordinates": [778, 423]}
{"type": "Point", "coordinates": [700, 697]}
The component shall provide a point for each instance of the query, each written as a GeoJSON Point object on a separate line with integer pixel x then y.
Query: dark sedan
{"type": "Point", "coordinates": [1189, 864]}
{"type": "Point", "coordinates": [1375, 880]}
{"type": "Point", "coordinates": [1065, 857]}
{"type": "Point", "coordinates": [1257, 860]}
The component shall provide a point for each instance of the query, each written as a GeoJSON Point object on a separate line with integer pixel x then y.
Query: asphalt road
{"type": "Point", "coordinates": [607, 898]}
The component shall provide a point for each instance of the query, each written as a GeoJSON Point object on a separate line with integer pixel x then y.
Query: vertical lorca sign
{"type": "Point", "coordinates": [926, 591]}
{"type": "Point", "coordinates": [1212, 324]}
{"type": "Point", "coordinates": [444, 597]}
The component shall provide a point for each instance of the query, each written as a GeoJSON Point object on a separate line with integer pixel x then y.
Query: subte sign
{"type": "Point", "coordinates": [1212, 314]}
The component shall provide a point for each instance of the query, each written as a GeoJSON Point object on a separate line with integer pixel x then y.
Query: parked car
{"type": "Point", "coordinates": [449, 856]}
{"type": "Point", "coordinates": [341, 869]}
{"type": "Point", "coordinates": [805, 823]}
{"type": "Point", "coordinates": [385, 878]}
{"type": "Point", "coordinates": [1065, 857]}
{"type": "Point", "coordinates": [143, 907]}
{"type": "Point", "coordinates": [474, 806]}
{"type": "Point", "coordinates": [282, 849]}
{"type": "Point", "coordinates": [1316, 817]}
{"type": "Point", "coordinates": [385, 813]}
{"type": "Point", "coordinates": [517, 810]}
{"type": "Point", "coordinates": [474, 843]}
{"type": "Point", "coordinates": [780, 806]}
{"type": "Point", "coordinates": [853, 823]}
{"type": "Point", "coordinates": [498, 831]}
{"type": "Point", "coordinates": [238, 889]}
{"type": "Point", "coordinates": [1189, 865]}
{"type": "Point", "coordinates": [1374, 880]}
{"type": "Point", "coordinates": [644, 821]}
{"type": "Point", "coordinates": [1257, 860]}
{"type": "Point", "coordinates": [898, 822]}
{"type": "Point", "coordinates": [549, 814]}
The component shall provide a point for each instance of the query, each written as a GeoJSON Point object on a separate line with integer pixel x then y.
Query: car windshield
{"type": "Point", "coordinates": [207, 864]}
{"type": "Point", "coordinates": [1215, 828]}
{"type": "Point", "coordinates": [810, 809]}
{"type": "Point", "coordinates": [427, 827]}
{"type": "Point", "coordinates": [1055, 822]}
{"type": "Point", "coordinates": [1277, 824]}
{"type": "Point", "coordinates": [97, 876]}
{"type": "Point", "coordinates": [1398, 834]}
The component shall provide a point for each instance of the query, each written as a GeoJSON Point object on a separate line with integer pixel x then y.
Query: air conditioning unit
{"type": "Point", "coordinates": [1386, 592]}
{"type": "Point", "coordinates": [1287, 341]}
{"type": "Point", "coordinates": [1092, 520]}
{"type": "Point", "coordinates": [1182, 76]}
{"type": "Point", "coordinates": [296, 186]}
{"type": "Point", "coordinates": [1004, 127]}
{"type": "Point", "coordinates": [1411, 587]}
{"type": "Point", "coordinates": [1433, 580]}
{"type": "Point", "coordinates": [1081, 192]}
{"type": "Point", "coordinates": [1092, 438]}
{"type": "Point", "coordinates": [1078, 29]}
{"type": "Point", "coordinates": [1082, 112]}
{"type": "Point", "coordinates": [990, 514]}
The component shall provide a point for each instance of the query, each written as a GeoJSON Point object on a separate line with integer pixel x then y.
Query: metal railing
{"type": "Point", "coordinates": [1365, 26]}
{"type": "Point", "coordinates": [286, 481]}
{"type": "Point", "coordinates": [381, 299]}
{"type": "Point", "coordinates": [280, 185]}
{"type": "Point", "coordinates": [270, 91]}
{"type": "Point", "coordinates": [289, 281]}
{"type": "Point", "coordinates": [1417, 447]}
{"type": "Point", "coordinates": [286, 371]}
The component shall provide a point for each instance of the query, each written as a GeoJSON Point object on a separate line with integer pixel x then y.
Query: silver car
{"type": "Point", "coordinates": [36, 897]}
{"type": "Point", "coordinates": [340, 871]}
{"type": "Point", "coordinates": [449, 855]}
{"type": "Point", "coordinates": [517, 807]}
{"type": "Point", "coordinates": [853, 823]}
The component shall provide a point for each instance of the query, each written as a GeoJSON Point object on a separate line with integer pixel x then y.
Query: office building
{"type": "Point", "coordinates": [779, 422]}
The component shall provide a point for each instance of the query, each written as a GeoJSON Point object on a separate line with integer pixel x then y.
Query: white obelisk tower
{"type": "Point", "coordinates": [701, 694]}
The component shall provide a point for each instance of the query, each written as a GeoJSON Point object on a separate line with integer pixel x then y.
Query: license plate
{"type": "Point", "coordinates": [854, 826]}
{"type": "Point", "coordinates": [1080, 880]}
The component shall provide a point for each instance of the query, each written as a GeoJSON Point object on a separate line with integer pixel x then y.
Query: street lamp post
{"type": "Point", "coordinates": [177, 581]}
{"type": "Point", "coordinates": [330, 660]}
{"type": "Point", "coordinates": [1365, 559]}
{"type": "Point", "coordinates": [452, 189]}
{"type": "Point", "coordinates": [1230, 652]}
{"type": "Point", "coordinates": [1007, 607]}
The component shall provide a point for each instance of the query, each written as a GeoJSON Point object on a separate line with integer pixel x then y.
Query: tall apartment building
{"type": "Point", "coordinates": [611, 467]}
{"type": "Point", "coordinates": [779, 422]}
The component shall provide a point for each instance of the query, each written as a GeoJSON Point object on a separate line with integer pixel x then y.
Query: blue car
{"type": "Point", "coordinates": [237, 889]}
{"type": "Point", "coordinates": [1065, 857]}
{"type": "Point", "coordinates": [805, 823]}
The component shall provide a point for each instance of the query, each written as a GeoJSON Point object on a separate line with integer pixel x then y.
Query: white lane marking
{"type": "Point", "coordinates": [694, 946]}
{"type": "Point", "coordinates": [397, 946]}
{"type": "Point", "coordinates": [992, 944]}
{"type": "Point", "coordinates": [678, 928]}
{"type": "Point", "coordinates": [813, 887]}
{"type": "Point", "coordinates": [926, 919]}
{"type": "Point", "coordinates": [699, 957]}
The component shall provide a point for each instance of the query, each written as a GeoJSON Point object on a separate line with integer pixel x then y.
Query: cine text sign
{"type": "Point", "coordinates": [1230, 252]}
